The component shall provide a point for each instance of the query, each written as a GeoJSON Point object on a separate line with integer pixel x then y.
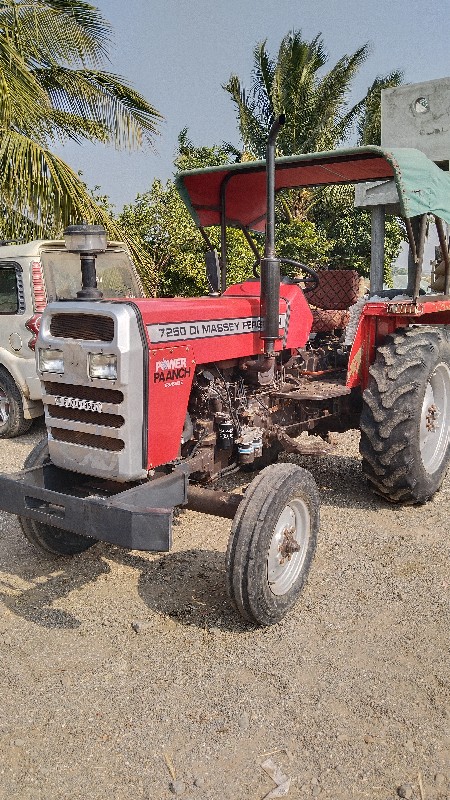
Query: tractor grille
{"type": "Point", "coordinates": [87, 439]}
{"type": "Point", "coordinates": [84, 392]}
{"type": "Point", "coordinates": [91, 417]}
{"type": "Point", "coordinates": [96, 426]}
{"type": "Point", "coordinates": [105, 419]}
{"type": "Point", "coordinates": [92, 327]}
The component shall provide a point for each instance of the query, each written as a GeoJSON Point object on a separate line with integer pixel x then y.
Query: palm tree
{"type": "Point", "coordinates": [318, 117]}
{"type": "Point", "coordinates": [369, 109]}
{"type": "Point", "coordinates": [316, 107]}
{"type": "Point", "coordinates": [52, 88]}
{"type": "Point", "coordinates": [315, 104]}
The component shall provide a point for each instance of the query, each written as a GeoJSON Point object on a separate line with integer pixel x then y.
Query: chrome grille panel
{"type": "Point", "coordinates": [87, 439]}
{"type": "Point", "coordinates": [83, 392]}
{"type": "Point", "coordinates": [95, 426]}
{"type": "Point", "coordinates": [92, 327]}
{"type": "Point", "coordinates": [90, 417]}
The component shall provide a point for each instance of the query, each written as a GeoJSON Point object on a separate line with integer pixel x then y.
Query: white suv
{"type": "Point", "coordinates": [31, 275]}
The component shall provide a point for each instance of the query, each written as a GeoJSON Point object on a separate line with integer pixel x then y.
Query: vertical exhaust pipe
{"type": "Point", "coordinates": [270, 264]}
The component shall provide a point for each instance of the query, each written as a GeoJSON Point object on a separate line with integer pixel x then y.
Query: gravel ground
{"type": "Point", "coordinates": [350, 693]}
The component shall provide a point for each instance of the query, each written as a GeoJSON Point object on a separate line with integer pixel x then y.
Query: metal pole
{"type": "Point", "coordinates": [444, 250]}
{"type": "Point", "coordinates": [210, 501]}
{"type": "Point", "coordinates": [270, 265]}
{"type": "Point", "coordinates": [269, 251]}
{"type": "Point", "coordinates": [420, 251]}
{"type": "Point", "coordinates": [89, 290]}
{"type": "Point", "coordinates": [412, 229]}
{"type": "Point", "coordinates": [377, 250]}
{"type": "Point", "coordinates": [223, 236]}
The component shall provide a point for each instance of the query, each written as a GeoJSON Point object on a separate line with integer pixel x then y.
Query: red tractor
{"type": "Point", "coordinates": [149, 401]}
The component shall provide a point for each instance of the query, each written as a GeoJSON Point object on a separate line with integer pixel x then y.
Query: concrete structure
{"type": "Point", "coordinates": [418, 115]}
{"type": "Point", "coordinates": [375, 193]}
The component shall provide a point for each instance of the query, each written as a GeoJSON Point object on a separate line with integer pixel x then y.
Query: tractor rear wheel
{"type": "Point", "coordinates": [47, 537]}
{"type": "Point", "coordinates": [405, 422]}
{"type": "Point", "coordinates": [272, 543]}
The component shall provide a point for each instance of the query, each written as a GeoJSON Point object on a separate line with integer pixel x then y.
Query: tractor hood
{"type": "Point", "coordinates": [241, 188]}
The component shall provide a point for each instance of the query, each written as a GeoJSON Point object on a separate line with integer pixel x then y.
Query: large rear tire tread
{"type": "Point", "coordinates": [12, 422]}
{"type": "Point", "coordinates": [391, 416]}
{"type": "Point", "coordinates": [46, 537]}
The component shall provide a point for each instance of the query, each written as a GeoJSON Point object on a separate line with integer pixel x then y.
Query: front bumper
{"type": "Point", "coordinates": [139, 518]}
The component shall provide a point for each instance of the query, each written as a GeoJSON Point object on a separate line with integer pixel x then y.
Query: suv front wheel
{"type": "Point", "coordinates": [12, 420]}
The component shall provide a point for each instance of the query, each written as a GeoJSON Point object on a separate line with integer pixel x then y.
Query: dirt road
{"type": "Point", "coordinates": [350, 693]}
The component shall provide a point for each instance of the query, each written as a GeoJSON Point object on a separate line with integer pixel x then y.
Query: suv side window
{"type": "Point", "coordinates": [9, 301]}
{"type": "Point", "coordinates": [11, 289]}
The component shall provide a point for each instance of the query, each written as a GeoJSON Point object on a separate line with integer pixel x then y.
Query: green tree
{"type": "Point", "coordinates": [161, 223]}
{"type": "Point", "coordinates": [348, 230]}
{"type": "Point", "coordinates": [318, 117]}
{"type": "Point", "coordinates": [53, 89]}
{"type": "Point", "coordinates": [369, 109]}
{"type": "Point", "coordinates": [164, 228]}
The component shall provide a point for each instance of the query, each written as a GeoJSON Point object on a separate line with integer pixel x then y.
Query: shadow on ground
{"type": "Point", "coordinates": [188, 586]}
{"type": "Point", "coordinates": [340, 480]}
{"type": "Point", "coordinates": [50, 580]}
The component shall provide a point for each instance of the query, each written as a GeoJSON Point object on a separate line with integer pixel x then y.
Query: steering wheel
{"type": "Point", "coordinates": [311, 281]}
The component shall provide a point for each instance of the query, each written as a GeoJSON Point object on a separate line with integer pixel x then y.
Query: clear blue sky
{"type": "Point", "coordinates": [178, 53]}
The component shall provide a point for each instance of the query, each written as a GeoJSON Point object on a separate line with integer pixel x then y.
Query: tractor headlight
{"type": "Point", "coordinates": [101, 365]}
{"type": "Point", "coordinates": [51, 361]}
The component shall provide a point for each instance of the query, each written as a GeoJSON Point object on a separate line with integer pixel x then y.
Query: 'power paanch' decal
{"type": "Point", "coordinates": [171, 369]}
{"type": "Point", "coordinates": [205, 329]}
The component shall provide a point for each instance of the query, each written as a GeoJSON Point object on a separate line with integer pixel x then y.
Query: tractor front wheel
{"type": "Point", "coordinates": [272, 543]}
{"type": "Point", "coordinates": [47, 537]}
{"type": "Point", "coordinates": [405, 422]}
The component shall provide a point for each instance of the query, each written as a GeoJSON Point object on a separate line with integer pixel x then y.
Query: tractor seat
{"type": "Point", "coordinates": [330, 301]}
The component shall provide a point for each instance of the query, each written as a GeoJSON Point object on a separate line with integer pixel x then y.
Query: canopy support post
{"type": "Point", "coordinates": [223, 234]}
{"type": "Point", "coordinates": [419, 258]}
{"type": "Point", "coordinates": [377, 250]}
{"type": "Point", "coordinates": [445, 254]}
{"type": "Point", "coordinates": [251, 244]}
{"type": "Point", "coordinates": [206, 238]}
{"type": "Point", "coordinates": [412, 229]}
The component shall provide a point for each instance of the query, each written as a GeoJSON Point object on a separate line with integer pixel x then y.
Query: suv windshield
{"type": "Point", "coordinates": [62, 271]}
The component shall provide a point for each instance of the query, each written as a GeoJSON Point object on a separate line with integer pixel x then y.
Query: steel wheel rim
{"type": "Point", "coordinates": [4, 410]}
{"type": "Point", "coordinates": [435, 419]}
{"type": "Point", "coordinates": [283, 572]}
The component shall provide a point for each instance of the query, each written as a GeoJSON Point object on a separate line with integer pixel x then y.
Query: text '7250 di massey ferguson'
{"type": "Point", "coordinates": [149, 401]}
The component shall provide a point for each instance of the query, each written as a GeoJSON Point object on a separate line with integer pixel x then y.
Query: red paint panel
{"type": "Point", "coordinates": [300, 318]}
{"type": "Point", "coordinates": [374, 325]}
{"type": "Point", "coordinates": [209, 322]}
{"type": "Point", "coordinates": [246, 187]}
{"type": "Point", "coordinates": [437, 318]}
{"type": "Point", "coordinates": [226, 327]}
{"type": "Point", "coordinates": [171, 370]}
{"type": "Point", "coordinates": [377, 321]}
{"type": "Point", "coordinates": [298, 313]}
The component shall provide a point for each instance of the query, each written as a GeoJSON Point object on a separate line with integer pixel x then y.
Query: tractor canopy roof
{"type": "Point", "coordinates": [241, 188]}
